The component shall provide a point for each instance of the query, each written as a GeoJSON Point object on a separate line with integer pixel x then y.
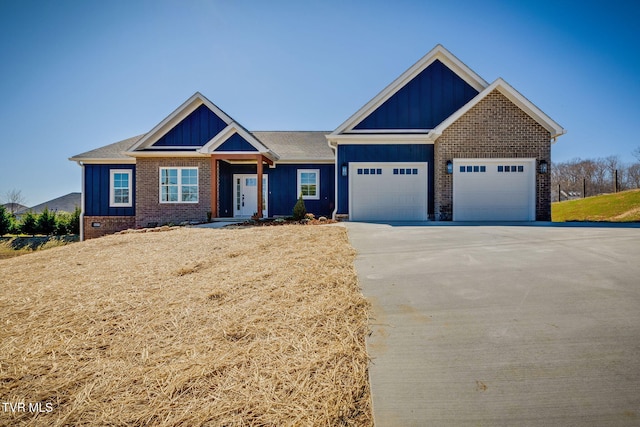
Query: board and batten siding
{"type": "Point", "coordinates": [381, 153]}
{"type": "Point", "coordinates": [423, 103]}
{"type": "Point", "coordinates": [282, 188]}
{"type": "Point", "coordinates": [97, 183]}
{"type": "Point", "coordinates": [235, 143]}
{"type": "Point", "coordinates": [195, 130]}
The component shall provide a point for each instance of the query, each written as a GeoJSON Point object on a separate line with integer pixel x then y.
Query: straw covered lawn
{"type": "Point", "coordinates": [258, 326]}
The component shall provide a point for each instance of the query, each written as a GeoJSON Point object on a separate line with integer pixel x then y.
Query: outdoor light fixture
{"type": "Point", "coordinates": [449, 167]}
{"type": "Point", "coordinates": [344, 169]}
{"type": "Point", "coordinates": [543, 167]}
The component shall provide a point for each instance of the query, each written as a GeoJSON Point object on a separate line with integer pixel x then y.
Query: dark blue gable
{"type": "Point", "coordinates": [423, 103]}
{"type": "Point", "coordinates": [194, 131]}
{"type": "Point", "coordinates": [235, 143]}
{"type": "Point", "coordinates": [383, 153]}
{"type": "Point", "coordinates": [96, 193]}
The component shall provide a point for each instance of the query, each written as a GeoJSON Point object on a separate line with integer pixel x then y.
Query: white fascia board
{"type": "Point", "coordinates": [227, 133]}
{"type": "Point", "coordinates": [438, 52]}
{"type": "Point", "coordinates": [305, 162]}
{"type": "Point", "coordinates": [179, 114]}
{"type": "Point", "coordinates": [415, 138]}
{"type": "Point", "coordinates": [102, 161]}
{"type": "Point", "coordinates": [512, 95]}
{"type": "Point", "coordinates": [166, 154]}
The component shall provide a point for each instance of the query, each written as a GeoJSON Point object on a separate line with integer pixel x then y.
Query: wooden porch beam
{"type": "Point", "coordinates": [259, 160]}
{"type": "Point", "coordinates": [214, 187]}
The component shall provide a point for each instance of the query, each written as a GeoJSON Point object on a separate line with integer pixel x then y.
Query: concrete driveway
{"type": "Point", "coordinates": [502, 325]}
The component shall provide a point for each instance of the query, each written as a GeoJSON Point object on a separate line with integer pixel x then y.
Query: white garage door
{"type": "Point", "coordinates": [494, 189]}
{"type": "Point", "coordinates": [388, 191]}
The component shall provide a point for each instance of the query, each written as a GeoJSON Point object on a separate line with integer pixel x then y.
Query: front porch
{"type": "Point", "coordinates": [239, 185]}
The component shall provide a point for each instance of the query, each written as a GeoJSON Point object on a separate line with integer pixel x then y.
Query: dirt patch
{"type": "Point", "coordinates": [253, 326]}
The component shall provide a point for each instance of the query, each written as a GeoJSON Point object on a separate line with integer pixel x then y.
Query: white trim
{"type": "Point", "coordinates": [179, 185]}
{"type": "Point", "coordinates": [512, 95]}
{"type": "Point", "coordinates": [299, 172]}
{"type": "Point", "coordinates": [227, 133]}
{"type": "Point", "coordinates": [413, 138]}
{"type": "Point", "coordinates": [112, 196]}
{"type": "Point", "coordinates": [303, 162]}
{"type": "Point", "coordinates": [82, 202]}
{"type": "Point", "coordinates": [179, 114]}
{"type": "Point", "coordinates": [82, 161]}
{"type": "Point", "coordinates": [437, 53]}
{"type": "Point", "coordinates": [166, 154]}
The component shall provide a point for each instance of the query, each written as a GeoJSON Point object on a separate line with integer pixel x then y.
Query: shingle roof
{"type": "Point", "coordinates": [297, 145]}
{"type": "Point", "coordinates": [111, 151]}
{"type": "Point", "coordinates": [288, 145]}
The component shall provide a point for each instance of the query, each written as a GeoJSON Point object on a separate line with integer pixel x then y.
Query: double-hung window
{"type": "Point", "coordinates": [309, 184]}
{"type": "Point", "coordinates": [120, 188]}
{"type": "Point", "coordinates": [178, 185]}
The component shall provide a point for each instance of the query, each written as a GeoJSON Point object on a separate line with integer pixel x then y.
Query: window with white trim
{"type": "Point", "coordinates": [120, 183]}
{"type": "Point", "coordinates": [309, 184]}
{"type": "Point", "coordinates": [178, 185]}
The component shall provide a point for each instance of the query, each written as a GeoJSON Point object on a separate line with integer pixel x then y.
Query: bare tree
{"type": "Point", "coordinates": [636, 153]}
{"type": "Point", "coordinates": [15, 200]}
{"type": "Point", "coordinates": [632, 177]}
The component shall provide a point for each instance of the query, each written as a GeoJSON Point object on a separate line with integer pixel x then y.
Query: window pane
{"type": "Point", "coordinates": [189, 176]}
{"type": "Point", "coordinates": [190, 194]}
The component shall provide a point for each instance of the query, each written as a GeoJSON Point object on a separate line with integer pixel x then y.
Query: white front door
{"type": "Point", "coordinates": [245, 194]}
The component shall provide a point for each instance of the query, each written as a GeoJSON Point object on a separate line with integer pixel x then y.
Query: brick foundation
{"type": "Point", "coordinates": [108, 225]}
{"type": "Point", "coordinates": [494, 128]}
{"type": "Point", "coordinates": [149, 210]}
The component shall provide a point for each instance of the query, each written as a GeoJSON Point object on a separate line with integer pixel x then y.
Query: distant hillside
{"type": "Point", "coordinates": [619, 207]}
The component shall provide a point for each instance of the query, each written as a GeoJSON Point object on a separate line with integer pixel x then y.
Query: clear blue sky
{"type": "Point", "coordinates": [77, 75]}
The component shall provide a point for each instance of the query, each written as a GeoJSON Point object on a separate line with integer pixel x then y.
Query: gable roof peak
{"type": "Point", "coordinates": [554, 129]}
{"type": "Point", "coordinates": [439, 52]}
{"type": "Point", "coordinates": [179, 114]}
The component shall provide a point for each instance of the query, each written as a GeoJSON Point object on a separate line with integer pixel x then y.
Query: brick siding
{"type": "Point", "coordinates": [150, 211]}
{"type": "Point", "coordinates": [494, 128]}
{"type": "Point", "coordinates": [108, 225]}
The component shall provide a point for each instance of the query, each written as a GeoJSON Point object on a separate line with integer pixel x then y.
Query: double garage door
{"type": "Point", "coordinates": [388, 191]}
{"type": "Point", "coordinates": [483, 190]}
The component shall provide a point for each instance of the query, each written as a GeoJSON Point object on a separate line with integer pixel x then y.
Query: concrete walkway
{"type": "Point", "coordinates": [502, 325]}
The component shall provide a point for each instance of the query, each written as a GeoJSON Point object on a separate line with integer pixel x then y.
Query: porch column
{"type": "Point", "coordinates": [214, 187]}
{"type": "Point", "coordinates": [259, 164]}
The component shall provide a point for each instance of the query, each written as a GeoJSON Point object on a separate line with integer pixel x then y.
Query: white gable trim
{"type": "Point", "coordinates": [437, 53]}
{"type": "Point", "coordinates": [227, 133]}
{"type": "Point", "coordinates": [512, 95]}
{"type": "Point", "coordinates": [179, 114]}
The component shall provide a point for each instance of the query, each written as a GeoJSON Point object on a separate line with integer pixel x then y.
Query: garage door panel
{"type": "Point", "coordinates": [388, 191]}
{"type": "Point", "coordinates": [494, 190]}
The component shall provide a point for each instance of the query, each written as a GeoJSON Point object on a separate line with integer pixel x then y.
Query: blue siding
{"type": "Point", "coordinates": [423, 103]}
{"type": "Point", "coordinates": [382, 153]}
{"type": "Point", "coordinates": [282, 188]}
{"type": "Point", "coordinates": [96, 185]}
{"type": "Point", "coordinates": [236, 143]}
{"type": "Point", "coordinates": [195, 130]}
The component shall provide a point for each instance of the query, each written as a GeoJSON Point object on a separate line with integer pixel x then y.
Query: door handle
{"type": "Point", "coordinates": [243, 200]}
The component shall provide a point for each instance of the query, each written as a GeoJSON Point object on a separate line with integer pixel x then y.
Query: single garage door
{"type": "Point", "coordinates": [494, 189]}
{"type": "Point", "coordinates": [388, 191]}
